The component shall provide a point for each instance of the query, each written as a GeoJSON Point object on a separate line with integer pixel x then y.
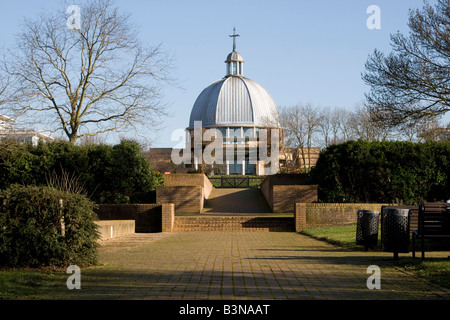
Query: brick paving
{"type": "Point", "coordinates": [241, 265]}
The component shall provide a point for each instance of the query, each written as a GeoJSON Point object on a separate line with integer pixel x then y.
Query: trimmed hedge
{"type": "Point", "coordinates": [384, 172]}
{"type": "Point", "coordinates": [107, 174]}
{"type": "Point", "coordinates": [35, 230]}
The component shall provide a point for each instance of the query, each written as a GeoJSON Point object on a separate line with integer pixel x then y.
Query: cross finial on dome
{"type": "Point", "coordinates": [234, 36]}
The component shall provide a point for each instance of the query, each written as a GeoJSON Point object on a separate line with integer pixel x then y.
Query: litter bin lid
{"type": "Point", "coordinates": [368, 212]}
{"type": "Point", "coordinates": [397, 212]}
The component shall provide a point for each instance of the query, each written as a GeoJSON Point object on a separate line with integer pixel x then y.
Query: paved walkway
{"type": "Point", "coordinates": [241, 265]}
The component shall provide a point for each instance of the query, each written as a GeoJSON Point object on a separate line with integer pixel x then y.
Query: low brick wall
{"type": "Point", "coordinates": [314, 215]}
{"type": "Point", "coordinates": [148, 218]}
{"type": "Point", "coordinates": [187, 199]}
{"type": "Point", "coordinates": [284, 197]}
{"type": "Point", "coordinates": [109, 229]}
{"type": "Point", "coordinates": [266, 190]}
{"type": "Point", "coordinates": [168, 217]}
{"type": "Point", "coordinates": [189, 180]}
{"type": "Point", "coordinates": [283, 191]}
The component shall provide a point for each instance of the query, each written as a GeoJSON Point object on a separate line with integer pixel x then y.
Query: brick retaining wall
{"type": "Point", "coordinates": [314, 215]}
{"type": "Point", "coordinates": [282, 192]}
{"type": "Point", "coordinates": [149, 218]}
{"type": "Point", "coordinates": [284, 197]}
{"type": "Point", "coordinates": [187, 199]}
{"type": "Point", "coordinates": [109, 229]}
{"type": "Point", "coordinates": [189, 180]}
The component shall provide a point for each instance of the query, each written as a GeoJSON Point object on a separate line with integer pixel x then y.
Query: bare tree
{"type": "Point", "coordinates": [335, 125]}
{"type": "Point", "coordinates": [341, 128]}
{"type": "Point", "coordinates": [365, 125]}
{"type": "Point", "coordinates": [3, 87]}
{"type": "Point", "coordinates": [326, 126]}
{"type": "Point", "coordinates": [89, 80]}
{"type": "Point", "coordinates": [432, 130]}
{"type": "Point", "coordinates": [301, 125]}
{"type": "Point", "coordinates": [413, 81]}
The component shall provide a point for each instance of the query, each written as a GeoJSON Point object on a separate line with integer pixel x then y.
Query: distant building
{"type": "Point", "coordinates": [244, 118]}
{"type": "Point", "coordinates": [6, 123]}
{"type": "Point", "coordinates": [239, 109]}
{"type": "Point", "coordinates": [7, 131]}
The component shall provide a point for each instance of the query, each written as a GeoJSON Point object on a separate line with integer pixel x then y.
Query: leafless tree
{"type": "Point", "coordinates": [413, 81]}
{"type": "Point", "coordinates": [433, 130]}
{"type": "Point", "coordinates": [89, 80]}
{"type": "Point", "coordinates": [3, 87]}
{"type": "Point", "coordinates": [301, 126]}
{"type": "Point", "coordinates": [335, 125]}
{"type": "Point", "coordinates": [342, 125]}
{"type": "Point", "coordinates": [365, 125]}
{"type": "Point", "coordinates": [326, 126]}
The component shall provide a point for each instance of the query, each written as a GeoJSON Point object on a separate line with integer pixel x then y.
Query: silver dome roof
{"type": "Point", "coordinates": [234, 56]}
{"type": "Point", "coordinates": [233, 101]}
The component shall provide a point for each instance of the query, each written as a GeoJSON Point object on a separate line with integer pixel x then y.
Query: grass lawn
{"type": "Point", "coordinates": [436, 270]}
{"type": "Point", "coordinates": [20, 284]}
{"type": "Point", "coordinates": [343, 236]}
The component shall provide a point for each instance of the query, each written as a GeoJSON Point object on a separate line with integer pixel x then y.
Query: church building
{"type": "Point", "coordinates": [244, 120]}
{"type": "Point", "coordinates": [239, 109]}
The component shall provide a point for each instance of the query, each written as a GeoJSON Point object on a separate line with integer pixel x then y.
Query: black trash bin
{"type": "Point", "coordinates": [446, 220]}
{"type": "Point", "coordinates": [367, 228]}
{"type": "Point", "coordinates": [395, 233]}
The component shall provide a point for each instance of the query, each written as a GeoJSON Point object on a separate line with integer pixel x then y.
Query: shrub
{"type": "Point", "coordinates": [386, 172]}
{"type": "Point", "coordinates": [35, 230]}
{"type": "Point", "coordinates": [108, 174]}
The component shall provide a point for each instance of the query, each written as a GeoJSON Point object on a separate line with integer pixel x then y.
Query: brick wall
{"type": "Point", "coordinates": [189, 179]}
{"type": "Point", "coordinates": [109, 229]}
{"type": "Point", "coordinates": [167, 217]}
{"type": "Point", "coordinates": [187, 199]}
{"type": "Point", "coordinates": [266, 190]}
{"type": "Point", "coordinates": [284, 197]}
{"type": "Point", "coordinates": [283, 191]}
{"type": "Point", "coordinates": [314, 215]}
{"type": "Point", "coordinates": [147, 217]}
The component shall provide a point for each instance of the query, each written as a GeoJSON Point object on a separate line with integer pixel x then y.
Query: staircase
{"type": "Point", "coordinates": [239, 209]}
{"type": "Point", "coordinates": [234, 223]}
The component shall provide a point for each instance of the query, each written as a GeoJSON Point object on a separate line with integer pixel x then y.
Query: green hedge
{"type": "Point", "coordinates": [386, 172]}
{"type": "Point", "coordinates": [107, 174]}
{"type": "Point", "coordinates": [35, 230]}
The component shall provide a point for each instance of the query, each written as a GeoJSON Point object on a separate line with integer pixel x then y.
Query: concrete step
{"type": "Point", "coordinates": [233, 223]}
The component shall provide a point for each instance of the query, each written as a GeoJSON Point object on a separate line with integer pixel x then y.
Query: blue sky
{"type": "Point", "coordinates": [300, 51]}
